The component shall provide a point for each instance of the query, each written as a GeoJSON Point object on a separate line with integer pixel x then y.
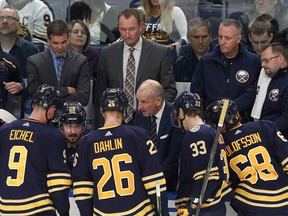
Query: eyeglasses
{"type": "Point", "coordinates": [8, 18]}
{"type": "Point", "coordinates": [266, 61]}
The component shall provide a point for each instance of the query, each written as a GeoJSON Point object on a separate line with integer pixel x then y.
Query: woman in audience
{"type": "Point", "coordinates": [166, 23]}
{"type": "Point", "coordinates": [79, 38]}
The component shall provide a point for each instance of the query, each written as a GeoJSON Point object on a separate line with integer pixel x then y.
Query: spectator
{"type": "Point", "coordinates": [260, 33]}
{"type": "Point", "coordinates": [274, 8]}
{"type": "Point", "coordinates": [258, 170]}
{"type": "Point", "coordinates": [60, 67]}
{"type": "Point", "coordinates": [165, 22]}
{"type": "Point", "coordinates": [79, 38]}
{"type": "Point", "coordinates": [194, 158]}
{"type": "Point", "coordinates": [34, 178]}
{"type": "Point", "coordinates": [130, 159]}
{"type": "Point", "coordinates": [212, 10]}
{"type": "Point", "coordinates": [152, 61]}
{"type": "Point", "coordinates": [99, 17]}
{"type": "Point", "coordinates": [151, 104]}
{"type": "Point", "coordinates": [35, 15]}
{"type": "Point", "coordinates": [78, 10]}
{"type": "Point", "coordinates": [271, 101]}
{"type": "Point", "coordinates": [230, 71]}
{"type": "Point", "coordinates": [10, 77]}
{"type": "Point", "coordinates": [199, 36]}
{"type": "Point", "coordinates": [19, 48]}
{"type": "Point", "coordinates": [11, 42]}
{"type": "Point", "coordinates": [72, 124]}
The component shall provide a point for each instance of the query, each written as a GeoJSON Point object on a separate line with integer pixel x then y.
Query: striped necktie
{"type": "Point", "coordinates": [129, 85]}
{"type": "Point", "coordinates": [60, 62]}
{"type": "Point", "coordinates": [153, 129]}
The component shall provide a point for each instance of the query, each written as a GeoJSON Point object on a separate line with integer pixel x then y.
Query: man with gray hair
{"type": "Point", "coordinates": [154, 116]}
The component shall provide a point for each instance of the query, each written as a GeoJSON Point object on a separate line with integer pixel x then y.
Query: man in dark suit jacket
{"type": "Point", "coordinates": [73, 79]}
{"type": "Point", "coordinates": [152, 61]}
{"type": "Point", "coordinates": [151, 102]}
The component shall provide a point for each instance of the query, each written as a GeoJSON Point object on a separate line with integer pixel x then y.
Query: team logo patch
{"type": "Point", "coordinates": [242, 76]}
{"type": "Point", "coordinates": [274, 94]}
{"type": "Point", "coordinates": [72, 110]}
{"type": "Point", "coordinates": [195, 129]}
{"type": "Point", "coordinates": [215, 108]}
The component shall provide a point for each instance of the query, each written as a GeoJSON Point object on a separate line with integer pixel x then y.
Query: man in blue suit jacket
{"type": "Point", "coordinates": [151, 102]}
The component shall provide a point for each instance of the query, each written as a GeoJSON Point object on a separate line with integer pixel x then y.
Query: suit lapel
{"type": "Point", "coordinates": [164, 122]}
{"type": "Point", "coordinates": [144, 58]}
{"type": "Point", "coordinates": [50, 63]}
{"type": "Point", "coordinates": [64, 72]}
{"type": "Point", "coordinates": [118, 60]}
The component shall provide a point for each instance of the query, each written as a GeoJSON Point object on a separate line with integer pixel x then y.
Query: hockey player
{"type": "Point", "coordinates": [117, 167]}
{"type": "Point", "coordinates": [257, 154]}
{"type": "Point", "coordinates": [35, 15]}
{"type": "Point", "coordinates": [72, 125]}
{"type": "Point", "coordinates": [33, 176]}
{"type": "Point", "coordinates": [194, 157]}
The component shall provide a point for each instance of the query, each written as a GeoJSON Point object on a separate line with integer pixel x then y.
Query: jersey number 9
{"type": "Point", "coordinates": [17, 161]}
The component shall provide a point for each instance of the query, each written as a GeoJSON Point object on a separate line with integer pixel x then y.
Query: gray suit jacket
{"type": "Point", "coordinates": [75, 73]}
{"type": "Point", "coordinates": [155, 63]}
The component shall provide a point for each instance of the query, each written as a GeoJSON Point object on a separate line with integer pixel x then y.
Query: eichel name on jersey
{"type": "Point", "coordinates": [194, 157]}
{"type": "Point", "coordinates": [33, 175]}
{"type": "Point", "coordinates": [258, 155]}
{"type": "Point", "coordinates": [124, 166]}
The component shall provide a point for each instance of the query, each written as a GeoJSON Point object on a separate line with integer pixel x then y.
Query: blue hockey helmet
{"type": "Point", "coordinates": [72, 113]}
{"type": "Point", "coordinates": [188, 102]}
{"type": "Point", "coordinates": [114, 99]}
{"type": "Point", "coordinates": [46, 96]}
{"type": "Point", "coordinates": [213, 112]}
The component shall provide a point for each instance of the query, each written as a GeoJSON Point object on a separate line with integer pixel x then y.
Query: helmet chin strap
{"type": "Point", "coordinates": [181, 123]}
{"type": "Point", "coordinates": [46, 115]}
{"type": "Point", "coordinates": [18, 4]}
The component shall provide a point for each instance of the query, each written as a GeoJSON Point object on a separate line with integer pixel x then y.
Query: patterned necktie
{"type": "Point", "coordinates": [60, 63]}
{"type": "Point", "coordinates": [129, 85]}
{"type": "Point", "coordinates": [153, 129]}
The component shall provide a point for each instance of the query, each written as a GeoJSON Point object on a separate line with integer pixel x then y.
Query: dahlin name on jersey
{"type": "Point", "coordinates": [108, 145]}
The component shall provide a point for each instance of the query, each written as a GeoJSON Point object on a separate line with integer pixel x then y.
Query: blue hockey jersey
{"type": "Point", "coordinates": [33, 175]}
{"type": "Point", "coordinates": [194, 157]}
{"type": "Point", "coordinates": [258, 157]}
{"type": "Point", "coordinates": [116, 171]}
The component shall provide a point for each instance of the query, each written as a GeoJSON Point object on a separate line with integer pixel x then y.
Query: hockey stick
{"type": "Point", "coordinates": [158, 196]}
{"type": "Point", "coordinates": [212, 154]}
